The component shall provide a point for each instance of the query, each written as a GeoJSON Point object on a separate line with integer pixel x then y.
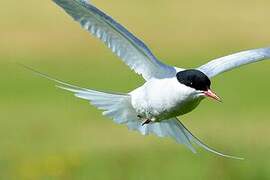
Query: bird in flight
{"type": "Point", "coordinates": [168, 91]}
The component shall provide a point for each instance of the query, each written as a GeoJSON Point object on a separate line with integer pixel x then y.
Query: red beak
{"type": "Point", "coordinates": [212, 95]}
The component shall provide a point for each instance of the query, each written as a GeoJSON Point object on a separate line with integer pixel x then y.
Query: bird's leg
{"type": "Point", "coordinates": [145, 120]}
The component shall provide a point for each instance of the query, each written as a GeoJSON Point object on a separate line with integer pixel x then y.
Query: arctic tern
{"type": "Point", "coordinates": [168, 91]}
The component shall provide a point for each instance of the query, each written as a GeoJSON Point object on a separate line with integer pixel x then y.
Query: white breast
{"type": "Point", "coordinates": [163, 99]}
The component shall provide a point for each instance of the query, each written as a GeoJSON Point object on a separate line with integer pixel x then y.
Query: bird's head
{"type": "Point", "coordinates": [198, 81]}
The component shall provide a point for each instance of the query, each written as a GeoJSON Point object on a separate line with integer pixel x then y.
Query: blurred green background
{"type": "Point", "coordinates": [46, 133]}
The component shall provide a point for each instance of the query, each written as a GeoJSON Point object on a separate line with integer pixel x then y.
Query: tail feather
{"type": "Point", "coordinates": [197, 141]}
{"type": "Point", "coordinates": [115, 106]}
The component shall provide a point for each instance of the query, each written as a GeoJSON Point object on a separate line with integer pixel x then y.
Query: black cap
{"type": "Point", "coordinates": [195, 79]}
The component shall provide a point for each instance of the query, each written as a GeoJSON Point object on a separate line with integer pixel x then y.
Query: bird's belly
{"type": "Point", "coordinates": [164, 107]}
{"type": "Point", "coordinates": [185, 107]}
{"type": "Point", "coordinates": [176, 110]}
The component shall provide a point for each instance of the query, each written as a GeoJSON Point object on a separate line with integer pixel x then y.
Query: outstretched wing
{"type": "Point", "coordinates": [130, 49]}
{"type": "Point", "coordinates": [230, 62]}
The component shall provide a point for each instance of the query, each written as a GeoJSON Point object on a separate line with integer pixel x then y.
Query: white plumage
{"type": "Point", "coordinates": [162, 98]}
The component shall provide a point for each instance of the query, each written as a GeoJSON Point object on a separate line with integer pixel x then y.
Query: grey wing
{"type": "Point", "coordinates": [230, 62]}
{"type": "Point", "coordinates": [125, 45]}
